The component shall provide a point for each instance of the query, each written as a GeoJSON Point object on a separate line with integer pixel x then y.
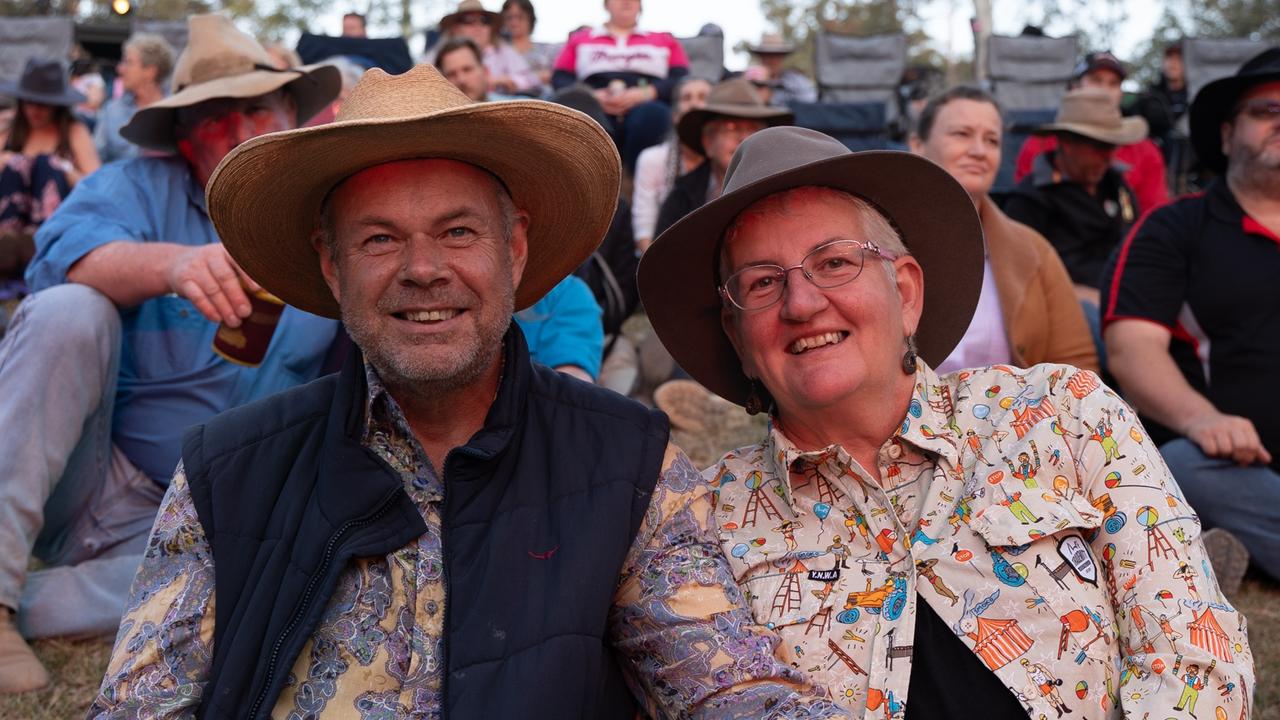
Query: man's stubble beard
{"type": "Point", "coordinates": [402, 368]}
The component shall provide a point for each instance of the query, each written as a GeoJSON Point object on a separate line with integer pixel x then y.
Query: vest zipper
{"type": "Point", "coordinates": [311, 586]}
{"type": "Point", "coordinates": [444, 570]}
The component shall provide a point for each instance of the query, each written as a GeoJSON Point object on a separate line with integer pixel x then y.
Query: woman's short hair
{"type": "Point", "coordinates": [924, 126]}
{"type": "Point", "coordinates": [153, 51]}
{"type": "Point", "coordinates": [527, 7]}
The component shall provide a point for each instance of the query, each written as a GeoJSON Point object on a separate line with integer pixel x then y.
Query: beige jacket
{"type": "Point", "coordinates": [1042, 316]}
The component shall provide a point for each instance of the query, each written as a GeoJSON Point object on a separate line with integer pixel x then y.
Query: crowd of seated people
{"type": "Point", "coordinates": [1089, 261]}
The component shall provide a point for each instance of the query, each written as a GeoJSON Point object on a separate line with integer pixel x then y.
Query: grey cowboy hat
{"type": "Point", "coordinates": [939, 225]}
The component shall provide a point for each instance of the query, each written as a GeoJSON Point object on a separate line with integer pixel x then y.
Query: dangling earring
{"type": "Point", "coordinates": [909, 357]}
{"type": "Point", "coordinates": [754, 405]}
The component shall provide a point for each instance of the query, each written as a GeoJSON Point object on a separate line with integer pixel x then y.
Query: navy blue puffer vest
{"type": "Point", "coordinates": [540, 510]}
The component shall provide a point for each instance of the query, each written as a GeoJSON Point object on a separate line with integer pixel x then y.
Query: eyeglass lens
{"type": "Point", "coordinates": [828, 266]}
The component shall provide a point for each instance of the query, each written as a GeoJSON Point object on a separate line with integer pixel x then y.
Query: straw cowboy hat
{"type": "Point", "coordinates": [559, 165]}
{"type": "Point", "coordinates": [220, 61]}
{"type": "Point", "coordinates": [772, 44]}
{"type": "Point", "coordinates": [1092, 113]}
{"type": "Point", "coordinates": [44, 82]}
{"type": "Point", "coordinates": [678, 275]}
{"type": "Point", "coordinates": [1216, 102]}
{"type": "Point", "coordinates": [467, 7]}
{"type": "Point", "coordinates": [735, 99]}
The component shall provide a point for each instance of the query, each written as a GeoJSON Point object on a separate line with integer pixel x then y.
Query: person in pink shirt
{"type": "Point", "coordinates": [1144, 164]}
{"type": "Point", "coordinates": [631, 72]}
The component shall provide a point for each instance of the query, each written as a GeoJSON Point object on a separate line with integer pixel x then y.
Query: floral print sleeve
{"type": "Point", "coordinates": [679, 617]}
{"type": "Point", "coordinates": [164, 649]}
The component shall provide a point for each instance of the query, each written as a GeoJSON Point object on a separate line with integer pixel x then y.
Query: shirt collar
{"type": "Point", "coordinates": [929, 425]}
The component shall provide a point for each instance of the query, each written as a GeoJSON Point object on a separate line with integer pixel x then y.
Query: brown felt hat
{"type": "Point", "coordinates": [735, 99]}
{"type": "Point", "coordinates": [1093, 113]}
{"type": "Point", "coordinates": [220, 61]}
{"type": "Point", "coordinates": [678, 274]}
{"type": "Point", "coordinates": [466, 7]}
{"type": "Point", "coordinates": [559, 165]}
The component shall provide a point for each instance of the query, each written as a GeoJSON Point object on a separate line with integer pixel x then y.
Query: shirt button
{"type": "Point", "coordinates": [895, 451]}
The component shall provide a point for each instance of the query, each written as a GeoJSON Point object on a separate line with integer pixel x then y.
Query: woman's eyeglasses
{"type": "Point", "coordinates": [833, 264]}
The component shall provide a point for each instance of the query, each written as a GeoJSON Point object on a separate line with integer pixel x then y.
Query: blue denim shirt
{"type": "Point", "coordinates": [170, 378]}
{"type": "Point", "coordinates": [106, 133]}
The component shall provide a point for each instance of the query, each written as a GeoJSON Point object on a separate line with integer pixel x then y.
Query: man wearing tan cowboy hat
{"type": "Point", "coordinates": [788, 84]}
{"type": "Point", "coordinates": [1075, 196]}
{"type": "Point", "coordinates": [1192, 319]}
{"type": "Point", "coordinates": [111, 358]}
{"type": "Point", "coordinates": [1144, 167]}
{"type": "Point", "coordinates": [732, 114]}
{"type": "Point", "coordinates": [443, 529]}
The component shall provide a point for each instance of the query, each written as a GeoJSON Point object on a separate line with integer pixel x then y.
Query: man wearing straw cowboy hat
{"type": "Point", "coordinates": [789, 85]}
{"type": "Point", "coordinates": [443, 529]}
{"type": "Point", "coordinates": [110, 359]}
{"type": "Point", "coordinates": [732, 113]}
{"type": "Point", "coordinates": [1074, 196]}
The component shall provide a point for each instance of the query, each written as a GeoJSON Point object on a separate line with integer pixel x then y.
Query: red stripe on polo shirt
{"type": "Point", "coordinates": [1253, 227]}
{"type": "Point", "coordinates": [1110, 314]}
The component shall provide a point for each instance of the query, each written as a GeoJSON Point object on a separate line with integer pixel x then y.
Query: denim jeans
{"type": "Point", "coordinates": [67, 495]}
{"type": "Point", "coordinates": [647, 124]}
{"type": "Point", "coordinates": [1242, 500]}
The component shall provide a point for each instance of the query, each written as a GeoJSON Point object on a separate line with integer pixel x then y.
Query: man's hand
{"type": "Point", "coordinates": [1229, 436]}
{"type": "Point", "coordinates": [208, 277]}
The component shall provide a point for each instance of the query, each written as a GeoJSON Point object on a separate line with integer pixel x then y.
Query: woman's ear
{"type": "Point", "coordinates": [910, 280]}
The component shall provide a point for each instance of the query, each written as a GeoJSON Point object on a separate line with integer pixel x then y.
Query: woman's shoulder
{"type": "Point", "coordinates": [736, 461]}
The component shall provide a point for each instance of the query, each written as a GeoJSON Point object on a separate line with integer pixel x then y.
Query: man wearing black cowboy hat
{"type": "Point", "coordinates": [110, 359]}
{"type": "Point", "coordinates": [1191, 314]}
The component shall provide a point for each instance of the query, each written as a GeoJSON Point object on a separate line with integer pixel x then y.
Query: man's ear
{"type": "Point", "coordinates": [915, 144]}
{"type": "Point", "coordinates": [1224, 131]}
{"type": "Point", "coordinates": [328, 265]}
{"type": "Point", "coordinates": [519, 247]}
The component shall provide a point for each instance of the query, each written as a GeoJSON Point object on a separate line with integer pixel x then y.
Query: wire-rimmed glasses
{"type": "Point", "coordinates": [829, 265]}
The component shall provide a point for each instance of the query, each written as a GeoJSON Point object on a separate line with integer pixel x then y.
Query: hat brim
{"type": "Point", "coordinates": [69, 98]}
{"type": "Point", "coordinates": [312, 87]}
{"type": "Point", "coordinates": [689, 129]}
{"type": "Point", "coordinates": [495, 19]}
{"type": "Point", "coordinates": [934, 214]}
{"type": "Point", "coordinates": [1131, 130]}
{"type": "Point", "coordinates": [771, 49]}
{"type": "Point", "coordinates": [1211, 108]}
{"type": "Point", "coordinates": [566, 176]}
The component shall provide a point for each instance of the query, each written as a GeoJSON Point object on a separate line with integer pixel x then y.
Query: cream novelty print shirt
{"type": "Point", "coordinates": [1031, 512]}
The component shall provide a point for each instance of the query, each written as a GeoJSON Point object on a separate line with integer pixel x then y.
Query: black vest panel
{"type": "Point", "coordinates": [540, 511]}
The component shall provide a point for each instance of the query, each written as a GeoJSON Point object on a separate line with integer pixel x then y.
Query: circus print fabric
{"type": "Point", "coordinates": [378, 651]}
{"type": "Point", "coordinates": [1031, 512]}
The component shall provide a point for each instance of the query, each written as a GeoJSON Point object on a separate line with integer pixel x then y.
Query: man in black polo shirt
{"type": "Point", "coordinates": [1192, 318]}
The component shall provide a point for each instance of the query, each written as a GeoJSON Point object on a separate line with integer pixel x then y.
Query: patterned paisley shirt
{"type": "Point", "coordinates": [678, 619]}
{"type": "Point", "coordinates": [1031, 512]}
